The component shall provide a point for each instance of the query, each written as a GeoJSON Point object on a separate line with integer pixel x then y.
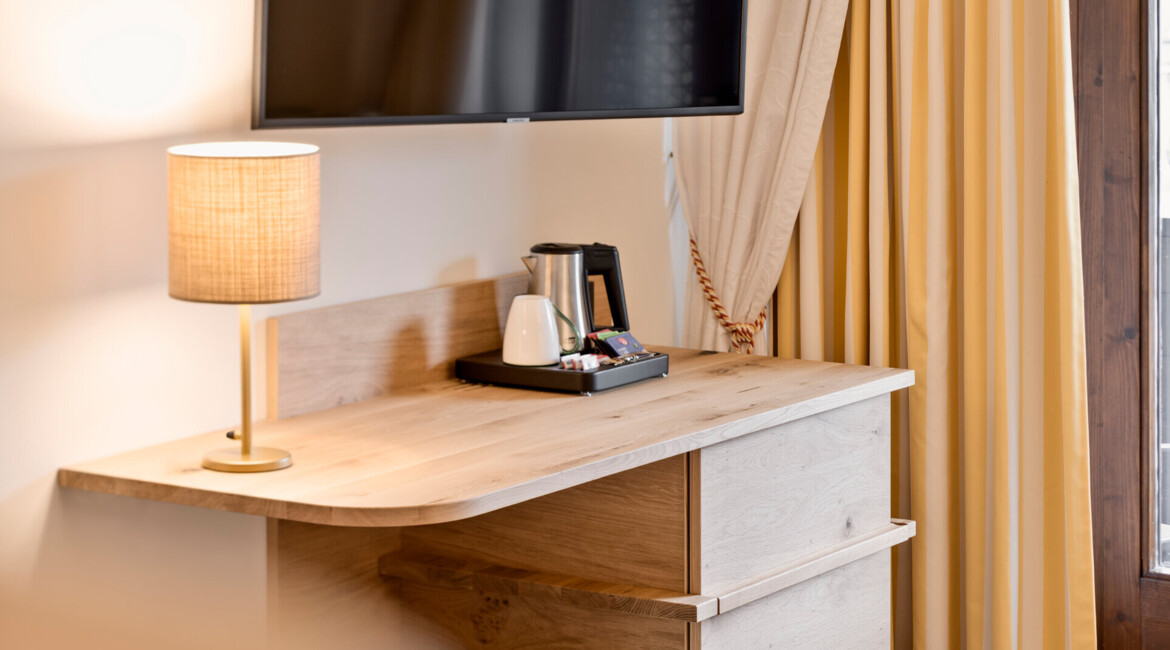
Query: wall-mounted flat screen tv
{"type": "Point", "coordinates": [353, 62]}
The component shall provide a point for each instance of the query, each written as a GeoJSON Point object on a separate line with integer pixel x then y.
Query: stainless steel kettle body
{"type": "Point", "coordinates": [558, 271]}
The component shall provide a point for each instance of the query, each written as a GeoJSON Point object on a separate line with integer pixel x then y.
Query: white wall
{"type": "Point", "coordinates": [96, 359]}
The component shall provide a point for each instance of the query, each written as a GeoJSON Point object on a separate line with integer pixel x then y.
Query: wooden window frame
{"type": "Point", "coordinates": [1111, 51]}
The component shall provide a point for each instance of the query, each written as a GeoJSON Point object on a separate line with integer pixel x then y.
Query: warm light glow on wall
{"type": "Point", "coordinates": [87, 71]}
{"type": "Point", "coordinates": [130, 70]}
{"type": "Point", "coordinates": [122, 70]}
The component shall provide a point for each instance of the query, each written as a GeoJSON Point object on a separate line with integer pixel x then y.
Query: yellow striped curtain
{"type": "Point", "coordinates": [940, 232]}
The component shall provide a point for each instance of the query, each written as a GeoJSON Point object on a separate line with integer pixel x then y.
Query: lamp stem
{"type": "Point", "coordinates": [245, 458]}
{"type": "Point", "coordinates": [246, 378]}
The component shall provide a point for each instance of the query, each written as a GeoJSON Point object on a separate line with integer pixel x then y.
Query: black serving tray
{"type": "Point", "coordinates": [490, 368]}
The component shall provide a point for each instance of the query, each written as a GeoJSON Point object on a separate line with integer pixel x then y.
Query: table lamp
{"type": "Point", "coordinates": [243, 224]}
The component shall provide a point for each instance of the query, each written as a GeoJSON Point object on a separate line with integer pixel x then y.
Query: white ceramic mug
{"type": "Point", "coordinates": [530, 335]}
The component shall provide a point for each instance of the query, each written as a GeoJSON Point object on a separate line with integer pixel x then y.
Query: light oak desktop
{"type": "Point", "coordinates": [739, 502]}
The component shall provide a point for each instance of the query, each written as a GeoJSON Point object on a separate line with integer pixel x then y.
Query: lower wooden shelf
{"type": "Point", "coordinates": [632, 599]}
{"type": "Point", "coordinates": [594, 594]}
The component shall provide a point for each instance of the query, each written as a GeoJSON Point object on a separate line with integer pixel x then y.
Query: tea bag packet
{"type": "Point", "coordinates": [619, 344]}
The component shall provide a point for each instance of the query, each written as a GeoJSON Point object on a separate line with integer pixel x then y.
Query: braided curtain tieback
{"type": "Point", "coordinates": [743, 335]}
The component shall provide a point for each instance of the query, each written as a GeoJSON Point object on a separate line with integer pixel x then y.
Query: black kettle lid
{"type": "Point", "coordinates": [556, 249]}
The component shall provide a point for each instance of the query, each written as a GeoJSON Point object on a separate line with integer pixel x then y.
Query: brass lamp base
{"type": "Point", "coordinates": [262, 459]}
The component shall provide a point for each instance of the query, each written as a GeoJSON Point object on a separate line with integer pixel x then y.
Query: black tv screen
{"type": "Point", "coordinates": [351, 62]}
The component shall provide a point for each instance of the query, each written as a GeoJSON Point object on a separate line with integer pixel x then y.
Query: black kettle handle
{"type": "Point", "coordinates": [600, 259]}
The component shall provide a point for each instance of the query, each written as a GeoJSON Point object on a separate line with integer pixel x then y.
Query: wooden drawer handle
{"type": "Point", "coordinates": [631, 599]}
{"type": "Point", "coordinates": [814, 564]}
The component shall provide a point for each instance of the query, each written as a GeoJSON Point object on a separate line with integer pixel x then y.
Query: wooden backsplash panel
{"type": "Point", "coordinates": [327, 357]}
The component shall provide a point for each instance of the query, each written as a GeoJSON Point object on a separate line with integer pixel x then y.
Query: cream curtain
{"type": "Point", "coordinates": [741, 178]}
{"type": "Point", "coordinates": [940, 232]}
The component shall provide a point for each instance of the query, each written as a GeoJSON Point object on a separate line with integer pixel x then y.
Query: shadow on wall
{"type": "Point", "coordinates": [112, 572]}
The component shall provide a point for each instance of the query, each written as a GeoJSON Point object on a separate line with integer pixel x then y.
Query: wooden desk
{"type": "Point", "coordinates": [739, 502]}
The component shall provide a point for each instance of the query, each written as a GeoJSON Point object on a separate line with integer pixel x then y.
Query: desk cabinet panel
{"type": "Point", "coordinates": [789, 491]}
{"type": "Point", "coordinates": [843, 609]}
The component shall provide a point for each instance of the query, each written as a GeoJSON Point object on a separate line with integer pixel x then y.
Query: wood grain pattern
{"type": "Point", "coordinates": [1155, 633]}
{"type": "Point", "coordinates": [568, 590]}
{"type": "Point", "coordinates": [1155, 598]}
{"type": "Point", "coordinates": [848, 607]}
{"type": "Point", "coordinates": [1108, 67]}
{"type": "Point", "coordinates": [437, 618]}
{"type": "Point", "coordinates": [822, 561]}
{"type": "Point", "coordinates": [348, 353]}
{"type": "Point", "coordinates": [584, 531]}
{"type": "Point", "coordinates": [694, 461]}
{"type": "Point", "coordinates": [1155, 621]}
{"type": "Point", "coordinates": [447, 451]}
{"type": "Point", "coordinates": [775, 496]}
{"type": "Point", "coordinates": [694, 468]}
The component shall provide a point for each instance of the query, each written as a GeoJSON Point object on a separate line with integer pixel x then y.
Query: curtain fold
{"type": "Point", "coordinates": [741, 178]}
{"type": "Point", "coordinates": [939, 231]}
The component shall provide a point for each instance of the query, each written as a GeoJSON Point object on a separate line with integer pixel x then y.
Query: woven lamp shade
{"type": "Point", "coordinates": [244, 219]}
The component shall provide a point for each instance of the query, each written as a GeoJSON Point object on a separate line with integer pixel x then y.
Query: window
{"type": "Point", "coordinates": [1159, 287]}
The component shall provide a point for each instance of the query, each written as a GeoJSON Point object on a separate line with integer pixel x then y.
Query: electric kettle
{"type": "Point", "coordinates": [562, 271]}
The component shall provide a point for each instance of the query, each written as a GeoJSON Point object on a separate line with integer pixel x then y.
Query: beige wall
{"type": "Point", "coordinates": [95, 359]}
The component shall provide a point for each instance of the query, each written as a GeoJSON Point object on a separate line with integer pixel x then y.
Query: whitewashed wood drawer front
{"type": "Point", "coordinates": [843, 609]}
{"type": "Point", "coordinates": [770, 499]}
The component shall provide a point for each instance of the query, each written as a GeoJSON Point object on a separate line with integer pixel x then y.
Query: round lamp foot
{"type": "Point", "coordinates": [262, 459]}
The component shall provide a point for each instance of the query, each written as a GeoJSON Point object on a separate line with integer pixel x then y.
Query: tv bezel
{"type": "Point", "coordinates": [259, 84]}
